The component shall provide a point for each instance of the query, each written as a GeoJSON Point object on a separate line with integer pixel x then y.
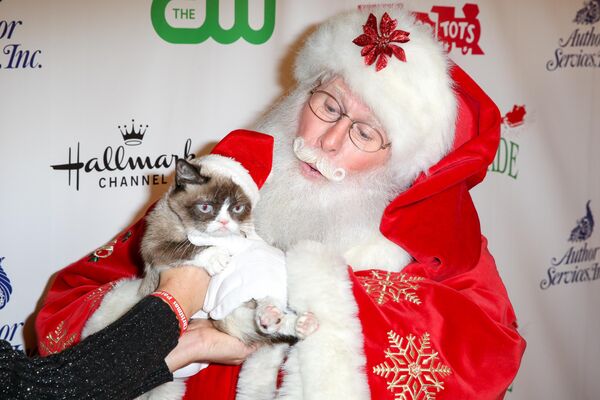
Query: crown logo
{"type": "Point", "coordinates": [133, 137]}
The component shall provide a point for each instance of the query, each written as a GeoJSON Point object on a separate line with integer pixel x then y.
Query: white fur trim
{"type": "Point", "coordinates": [233, 169]}
{"type": "Point", "coordinates": [329, 364]}
{"type": "Point", "coordinates": [377, 253]}
{"type": "Point", "coordinates": [258, 377]}
{"type": "Point", "coordinates": [413, 100]}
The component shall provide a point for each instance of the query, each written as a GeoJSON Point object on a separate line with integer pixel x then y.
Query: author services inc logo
{"type": "Point", "coordinates": [11, 332]}
{"type": "Point", "coordinates": [579, 263]}
{"type": "Point", "coordinates": [5, 287]}
{"type": "Point", "coordinates": [117, 167]}
{"type": "Point", "coordinates": [194, 21]}
{"type": "Point", "coordinates": [14, 55]}
{"type": "Point", "coordinates": [581, 48]}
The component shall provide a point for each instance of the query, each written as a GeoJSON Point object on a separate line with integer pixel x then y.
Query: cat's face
{"type": "Point", "coordinates": [209, 203]}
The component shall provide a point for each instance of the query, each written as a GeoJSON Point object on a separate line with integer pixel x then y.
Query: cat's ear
{"type": "Point", "coordinates": [188, 173]}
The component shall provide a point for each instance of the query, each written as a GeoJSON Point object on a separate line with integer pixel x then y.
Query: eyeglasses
{"type": "Point", "coordinates": [328, 109]}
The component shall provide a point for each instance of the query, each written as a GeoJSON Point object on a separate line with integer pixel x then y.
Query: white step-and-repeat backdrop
{"type": "Point", "coordinates": [75, 76]}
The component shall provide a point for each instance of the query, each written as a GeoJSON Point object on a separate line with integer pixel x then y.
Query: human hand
{"type": "Point", "coordinates": [202, 342]}
{"type": "Point", "coordinates": [188, 284]}
{"type": "Point", "coordinates": [254, 273]}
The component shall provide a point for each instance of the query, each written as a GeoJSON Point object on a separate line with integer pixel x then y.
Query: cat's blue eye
{"type": "Point", "coordinates": [239, 208]}
{"type": "Point", "coordinates": [205, 208]}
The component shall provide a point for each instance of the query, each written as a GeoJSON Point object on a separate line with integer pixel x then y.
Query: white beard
{"type": "Point", "coordinates": [293, 208]}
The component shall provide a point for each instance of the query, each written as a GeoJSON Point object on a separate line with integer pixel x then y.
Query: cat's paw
{"type": "Point", "coordinates": [213, 260]}
{"type": "Point", "coordinates": [306, 325]}
{"type": "Point", "coordinates": [268, 318]}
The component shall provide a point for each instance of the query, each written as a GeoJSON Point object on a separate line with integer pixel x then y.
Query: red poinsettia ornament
{"type": "Point", "coordinates": [378, 46]}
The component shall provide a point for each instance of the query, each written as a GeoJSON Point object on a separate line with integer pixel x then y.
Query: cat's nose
{"type": "Point", "coordinates": [224, 221]}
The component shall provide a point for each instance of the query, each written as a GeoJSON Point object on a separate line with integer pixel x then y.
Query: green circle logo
{"type": "Point", "coordinates": [161, 12]}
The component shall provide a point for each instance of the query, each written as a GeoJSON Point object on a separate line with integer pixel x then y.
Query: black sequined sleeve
{"type": "Point", "coordinates": [121, 361]}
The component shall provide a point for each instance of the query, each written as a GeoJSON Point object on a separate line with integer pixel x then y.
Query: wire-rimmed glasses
{"type": "Point", "coordinates": [328, 109]}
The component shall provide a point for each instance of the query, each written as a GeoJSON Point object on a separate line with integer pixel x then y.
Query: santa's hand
{"type": "Point", "coordinates": [254, 273]}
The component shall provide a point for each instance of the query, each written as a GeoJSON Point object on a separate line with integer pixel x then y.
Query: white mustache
{"type": "Point", "coordinates": [320, 163]}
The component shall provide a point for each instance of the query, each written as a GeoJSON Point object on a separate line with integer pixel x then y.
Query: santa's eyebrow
{"type": "Point", "coordinates": [340, 95]}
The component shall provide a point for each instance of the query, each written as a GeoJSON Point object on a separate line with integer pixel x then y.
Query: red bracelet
{"type": "Point", "coordinates": [170, 300]}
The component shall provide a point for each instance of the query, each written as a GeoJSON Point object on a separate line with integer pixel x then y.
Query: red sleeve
{"type": "Point", "coordinates": [78, 289]}
{"type": "Point", "coordinates": [453, 339]}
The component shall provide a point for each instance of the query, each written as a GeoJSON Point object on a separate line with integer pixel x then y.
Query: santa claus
{"type": "Point", "coordinates": [368, 193]}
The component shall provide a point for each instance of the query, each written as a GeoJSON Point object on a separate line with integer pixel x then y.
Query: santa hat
{"type": "Point", "coordinates": [245, 157]}
{"type": "Point", "coordinates": [399, 70]}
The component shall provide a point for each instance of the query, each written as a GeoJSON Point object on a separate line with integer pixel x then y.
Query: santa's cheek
{"type": "Point", "coordinates": [365, 161]}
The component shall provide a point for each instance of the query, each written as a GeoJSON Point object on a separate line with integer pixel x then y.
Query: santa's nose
{"type": "Point", "coordinates": [335, 135]}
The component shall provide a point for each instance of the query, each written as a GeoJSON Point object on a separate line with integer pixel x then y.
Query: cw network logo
{"type": "Point", "coordinates": [175, 21]}
{"type": "Point", "coordinates": [5, 287]}
{"type": "Point", "coordinates": [579, 263]}
{"type": "Point", "coordinates": [116, 160]}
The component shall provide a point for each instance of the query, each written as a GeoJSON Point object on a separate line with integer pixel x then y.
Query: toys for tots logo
{"type": "Point", "coordinates": [455, 31]}
{"type": "Point", "coordinates": [581, 48]}
{"type": "Point", "coordinates": [579, 262]}
{"type": "Point", "coordinates": [114, 163]}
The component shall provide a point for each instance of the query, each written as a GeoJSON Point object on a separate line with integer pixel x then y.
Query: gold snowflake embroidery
{"type": "Point", "coordinates": [58, 340]}
{"type": "Point", "coordinates": [95, 296]}
{"type": "Point", "coordinates": [412, 371]}
{"type": "Point", "coordinates": [391, 285]}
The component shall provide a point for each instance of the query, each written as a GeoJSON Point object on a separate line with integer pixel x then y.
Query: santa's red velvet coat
{"type": "Point", "coordinates": [443, 327]}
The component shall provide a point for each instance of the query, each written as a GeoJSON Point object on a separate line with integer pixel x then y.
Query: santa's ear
{"type": "Point", "coordinates": [187, 173]}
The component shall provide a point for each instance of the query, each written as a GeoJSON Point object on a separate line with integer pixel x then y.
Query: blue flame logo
{"type": "Point", "coordinates": [5, 287]}
{"type": "Point", "coordinates": [585, 226]}
{"type": "Point", "coordinates": [589, 14]}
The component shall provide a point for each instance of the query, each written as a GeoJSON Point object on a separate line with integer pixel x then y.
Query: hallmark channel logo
{"type": "Point", "coordinates": [185, 22]}
{"type": "Point", "coordinates": [117, 166]}
{"type": "Point", "coordinates": [581, 49]}
{"type": "Point", "coordinates": [453, 31]}
{"type": "Point", "coordinates": [579, 263]}
{"type": "Point", "coordinates": [15, 55]}
{"type": "Point", "coordinates": [505, 161]}
{"type": "Point", "coordinates": [131, 137]}
{"type": "Point", "coordinates": [5, 286]}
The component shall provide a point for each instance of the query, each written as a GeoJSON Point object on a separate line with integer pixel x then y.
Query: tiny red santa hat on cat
{"type": "Point", "coordinates": [251, 165]}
